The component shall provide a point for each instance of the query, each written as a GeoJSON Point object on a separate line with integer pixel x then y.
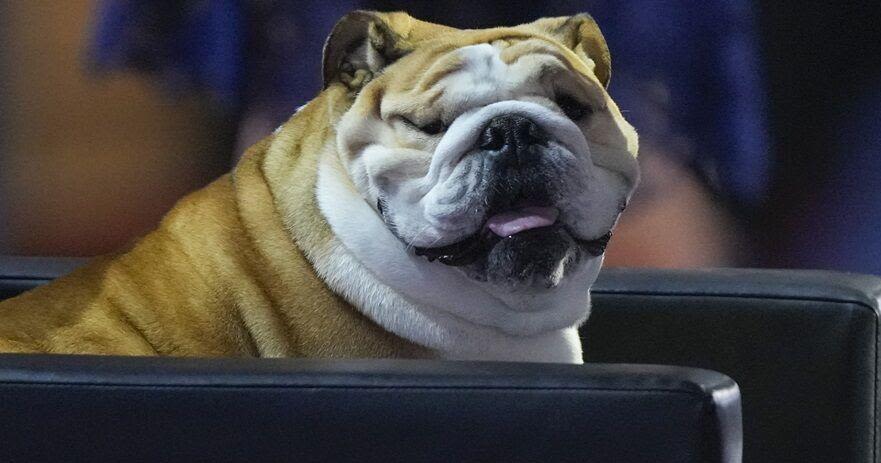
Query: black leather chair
{"type": "Point", "coordinates": [802, 345]}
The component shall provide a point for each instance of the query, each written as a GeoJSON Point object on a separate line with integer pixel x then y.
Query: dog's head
{"type": "Point", "coordinates": [496, 151]}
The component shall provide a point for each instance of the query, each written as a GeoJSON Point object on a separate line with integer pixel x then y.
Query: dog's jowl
{"type": "Point", "coordinates": [449, 194]}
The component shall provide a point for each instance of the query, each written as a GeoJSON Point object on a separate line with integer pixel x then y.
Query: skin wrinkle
{"type": "Point", "coordinates": [276, 315]}
{"type": "Point", "coordinates": [455, 178]}
{"type": "Point", "coordinates": [247, 338]}
{"type": "Point", "coordinates": [521, 49]}
{"type": "Point", "coordinates": [440, 69]}
{"type": "Point", "coordinates": [272, 316]}
{"type": "Point", "coordinates": [122, 316]}
{"type": "Point", "coordinates": [461, 189]}
{"type": "Point", "coordinates": [451, 63]}
{"type": "Point", "coordinates": [435, 95]}
{"type": "Point", "coordinates": [148, 322]}
{"type": "Point", "coordinates": [200, 275]}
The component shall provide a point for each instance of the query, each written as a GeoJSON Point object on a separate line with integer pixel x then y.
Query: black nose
{"type": "Point", "coordinates": [511, 134]}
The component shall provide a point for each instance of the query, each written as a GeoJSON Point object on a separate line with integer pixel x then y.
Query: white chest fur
{"type": "Point", "coordinates": [433, 305]}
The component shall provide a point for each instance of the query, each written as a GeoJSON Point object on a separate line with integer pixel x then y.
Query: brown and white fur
{"type": "Point", "coordinates": [307, 248]}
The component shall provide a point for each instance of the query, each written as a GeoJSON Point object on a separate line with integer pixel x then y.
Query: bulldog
{"type": "Point", "coordinates": [449, 194]}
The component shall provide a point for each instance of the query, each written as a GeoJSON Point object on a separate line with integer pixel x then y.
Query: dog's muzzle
{"type": "Point", "coordinates": [521, 202]}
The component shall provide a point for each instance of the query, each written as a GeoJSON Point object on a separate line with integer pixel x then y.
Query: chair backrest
{"type": "Point", "coordinates": [96, 409]}
{"type": "Point", "coordinates": [802, 345]}
{"type": "Point", "coordinates": [19, 274]}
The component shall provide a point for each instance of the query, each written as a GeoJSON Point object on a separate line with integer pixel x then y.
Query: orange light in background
{"type": "Point", "coordinates": [88, 163]}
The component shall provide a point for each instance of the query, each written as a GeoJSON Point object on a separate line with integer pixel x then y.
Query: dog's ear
{"type": "Point", "coordinates": [581, 34]}
{"type": "Point", "coordinates": [362, 43]}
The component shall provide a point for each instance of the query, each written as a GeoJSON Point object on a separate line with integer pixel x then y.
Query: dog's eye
{"type": "Point", "coordinates": [432, 128]}
{"type": "Point", "coordinates": [572, 108]}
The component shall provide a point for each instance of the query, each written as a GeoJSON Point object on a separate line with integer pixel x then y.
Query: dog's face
{"type": "Point", "coordinates": [497, 151]}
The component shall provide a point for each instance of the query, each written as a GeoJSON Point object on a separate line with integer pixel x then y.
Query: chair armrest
{"type": "Point", "coordinates": [802, 345]}
{"type": "Point", "coordinates": [21, 273]}
{"type": "Point", "coordinates": [82, 408]}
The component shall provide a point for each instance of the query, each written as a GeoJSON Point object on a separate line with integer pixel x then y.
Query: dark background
{"type": "Point", "coordinates": [90, 160]}
{"type": "Point", "coordinates": [821, 60]}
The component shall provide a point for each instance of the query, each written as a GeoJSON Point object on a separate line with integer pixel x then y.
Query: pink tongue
{"type": "Point", "coordinates": [511, 223]}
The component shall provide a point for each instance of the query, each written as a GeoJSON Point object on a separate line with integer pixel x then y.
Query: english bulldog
{"type": "Point", "coordinates": [449, 194]}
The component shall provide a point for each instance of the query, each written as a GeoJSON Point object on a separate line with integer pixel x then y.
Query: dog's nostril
{"type": "Point", "coordinates": [534, 134]}
{"type": "Point", "coordinates": [492, 138]}
{"type": "Point", "coordinates": [512, 130]}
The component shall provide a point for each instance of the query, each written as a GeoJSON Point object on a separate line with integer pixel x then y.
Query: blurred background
{"type": "Point", "coordinates": [760, 121]}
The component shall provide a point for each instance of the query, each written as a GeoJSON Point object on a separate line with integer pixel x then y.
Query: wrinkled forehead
{"type": "Point", "coordinates": [482, 67]}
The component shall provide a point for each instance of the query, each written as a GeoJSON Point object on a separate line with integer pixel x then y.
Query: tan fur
{"type": "Point", "coordinates": [220, 277]}
{"type": "Point", "coordinates": [228, 271]}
